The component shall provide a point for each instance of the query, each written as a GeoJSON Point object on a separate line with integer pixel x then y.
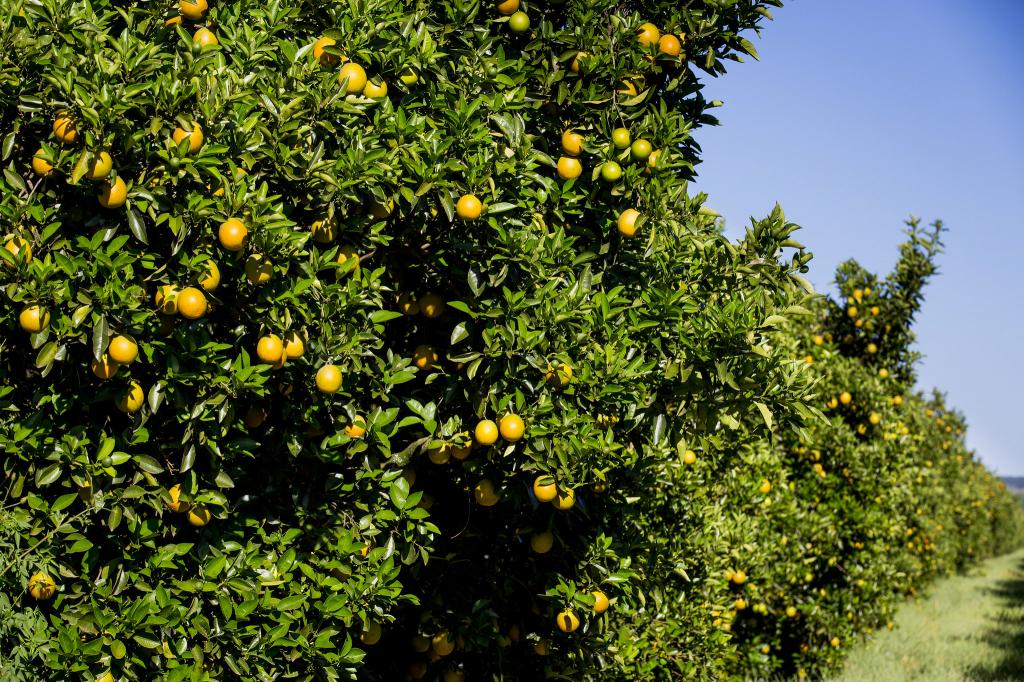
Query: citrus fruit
{"type": "Point", "coordinates": [670, 45]}
{"type": "Point", "coordinates": [544, 488]}
{"type": "Point", "coordinates": [199, 515]}
{"type": "Point", "coordinates": [407, 305]}
{"type": "Point", "coordinates": [621, 138]}
{"type": "Point", "coordinates": [194, 135]}
{"type": "Point", "coordinates": [468, 207]}
{"type": "Point", "coordinates": [211, 279]}
{"type": "Point", "coordinates": [41, 166]}
{"type": "Point", "coordinates": [507, 7]}
{"type": "Point", "coordinates": [294, 345]}
{"type": "Point", "coordinates": [328, 379]}
{"type": "Point", "coordinates": [123, 349]}
{"type": "Point", "coordinates": [640, 150]}
{"type": "Point", "coordinates": [371, 634]}
{"type": "Point", "coordinates": [485, 494]}
{"type": "Point", "coordinates": [572, 143]}
{"type": "Point", "coordinates": [100, 167]}
{"type": "Point", "coordinates": [357, 429]}
{"type": "Point", "coordinates": [204, 37]}
{"type": "Point", "coordinates": [258, 269]}
{"type": "Point", "coordinates": [486, 432]}
{"type": "Point", "coordinates": [324, 230]}
{"type": "Point", "coordinates": [519, 22]}
{"type": "Point", "coordinates": [541, 543]}
{"type": "Point", "coordinates": [270, 349]}
{"type": "Point", "coordinates": [193, 10]}
{"type": "Point", "coordinates": [352, 77]}
{"type": "Point", "coordinates": [41, 586]}
{"type": "Point", "coordinates": [569, 168]}
{"type": "Point", "coordinates": [176, 504]}
{"type": "Point", "coordinates": [512, 427]}
{"type": "Point", "coordinates": [192, 303]}
{"type": "Point", "coordinates": [166, 299]}
{"type": "Point", "coordinates": [112, 194]}
{"type": "Point", "coordinates": [20, 249]}
{"type": "Point", "coordinates": [442, 643]}
{"type": "Point", "coordinates": [104, 368]}
{"type": "Point", "coordinates": [64, 128]}
{"type": "Point", "coordinates": [232, 234]}
{"type": "Point", "coordinates": [611, 171]}
{"type": "Point", "coordinates": [131, 399]}
{"type": "Point", "coordinates": [565, 499]}
{"type": "Point", "coordinates": [600, 601]}
{"type": "Point", "coordinates": [325, 58]}
{"type": "Point", "coordinates": [627, 222]}
{"type": "Point", "coordinates": [424, 357]}
{"type": "Point", "coordinates": [431, 305]}
{"type": "Point", "coordinates": [568, 621]}
{"type": "Point", "coordinates": [648, 34]}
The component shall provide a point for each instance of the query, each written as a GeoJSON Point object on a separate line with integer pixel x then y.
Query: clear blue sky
{"type": "Point", "coordinates": [862, 112]}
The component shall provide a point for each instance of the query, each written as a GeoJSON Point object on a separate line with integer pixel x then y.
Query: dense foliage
{"type": "Point", "coordinates": [383, 338]}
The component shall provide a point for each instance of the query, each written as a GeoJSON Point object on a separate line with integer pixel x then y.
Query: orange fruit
{"type": "Point", "coordinates": [611, 171]}
{"type": "Point", "coordinates": [519, 22]}
{"type": "Point", "coordinates": [123, 349]}
{"type": "Point", "coordinates": [258, 269]}
{"type": "Point", "coordinates": [420, 644]}
{"type": "Point", "coordinates": [34, 318]}
{"type": "Point", "coordinates": [845, 398]}
{"type": "Point", "coordinates": [485, 494]}
{"type": "Point", "coordinates": [621, 138]}
{"type": "Point", "coordinates": [100, 167]}
{"type": "Point", "coordinates": [324, 230]}
{"type": "Point", "coordinates": [544, 488]}
{"type": "Point", "coordinates": [204, 37]}
{"type": "Point", "coordinates": [193, 10]}
{"type": "Point", "coordinates": [353, 77]}
{"type": "Point", "coordinates": [541, 543]}
{"type": "Point", "coordinates": [20, 249]}
{"type": "Point", "coordinates": [512, 427]}
{"type": "Point", "coordinates": [357, 429]}
{"type": "Point", "coordinates": [652, 160]}
{"type": "Point", "coordinates": [199, 515]}
{"type": "Point", "coordinates": [670, 45]}
{"type": "Point", "coordinates": [176, 504]}
{"type": "Point", "coordinates": [431, 305]}
{"type": "Point", "coordinates": [424, 357]}
{"type": "Point", "coordinates": [575, 65]}
{"type": "Point", "coordinates": [454, 675]}
{"type": "Point", "coordinates": [439, 455]}
{"type": "Point", "coordinates": [627, 222]}
{"type": "Point", "coordinates": [371, 634]}
{"type": "Point", "coordinates": [232, 234]}
{"type": "Point", "coordinates": [194, 135]}
{"type": "Point", "coordinates": [294, 345]}
{"type": "Point", "coordinates": [113, 194]}
{"type": "Point", "coordinates": [565, 499]}
{"type": "Point", "coordinates": [41, 166]}
{"type": "Point", "coordinates": [380, 211]}
{"type": "Point", "coordinates": [468, 207]}
{"type": "Point", "coordinates": [211, 280]}
{"type": "Point", "coordinates": [601, 603]}
{"type": "Point", "coordinates": [41, 586]}
{"type": "Point", "coordinates": [64, 128]}
{"type": "Point", "coordinates": [270, 349]}
{"type": "Point", "coordinates": [166, 299]}
{"type": "Point", "coordinates": [192, 303]}
{"type": "Point", "coordinates": [569, 168]}
{"type": "Point", "coordinates": [255, 416]}
{"type": "Point", "coordinates": [346, 252]}
{"type": "Point", "coordinates": [640, 150]}
{"type": "Point", "coordinates": [572, 143]}
{"type": "Point", "coordinates": [486, 432]}
{"type": "Point", "coordinates": [507, 7]}
{"type": "Point", "coordinates": [131, 399]}
{"type": "Point", "coordinates": [407, 305]}
{"type": "Point", "coordinates": [326, 59]}
{"type": "Point", "coordinates": [689, 457]}
{"type": "Point", "coordinates": [442, 644]}
{"type": "Point", "coordinates": [376, 88]}
{"type": "Point", "coordinates": [765, 487]}
{"type": "Point", "coordinates": [648, 34]}
{"type": "Point", "coordinates": [328, 379]}
{"type": "Point", "coordinates": [104, 368]}
{"type": "Point", "coordinates": [568, 621]}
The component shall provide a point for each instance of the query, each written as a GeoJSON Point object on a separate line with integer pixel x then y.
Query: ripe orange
{"type": "Point", "coordinates": [541, 543]}
{"type": "Point", "coordinates": [845, 398]}
{"type": "Point", "coordinates": [872, 349]}
{"type": "Point", "coordinates": [439, 455]}
{"type": "Point", "coordinates": [572, 143]}
{"type": "Point", "coordinates": [353, 77]}
{"type": "Point", "coordinates": [791, 611]}
{"type": "Point", "coordinates": [485, 494]}
{"type": "Point", "coordinates": [883, 373]}
{"type": "Point", "coordinates": [113, 194]}
{"type": "Point", "coordinates": [324, 230]}
{"type": "Point", "coordinates": [486, 432]}
{"type": "Point", "coordinates": [204, 37]}
{"type": "Point", "coordinates": [575, 65]}
{"type": "Point", "coordinates": [34, 318]}
{"type": "Point", "coordinates": [431, 305]}
{"type": "Point", "coordinates": [670, 45]}
{"type": "Point", "coordinates": [131, 399]}
{"type": "Point", "coordinates": [326, 59]}
{"type": "Point", "coordinates": [270, 349]}
{"type": "Point", "coordinates": [328, 379]}
{"type": "Point", "coordinates": [123, 349]}
{"type": "Point", "coordinates": [64, 128]}
{"type": "Point", "coordinates": [232, 234]}
{"type": "Point", "coordinates": [601, 603]}
{"type": "Point", "coordinates": [211, 280]}
{"type": "Point", "coordinates": [443, 644]}
{"type": "Point", "coordinates": [176, 504]}
{"type": "Point", "coordinates": [640, 150]}
{"type": "Point", "coordinates": [20, 249]}
{"type": "Point", "coordinates": [739, 577]}
{"type": "Point", "coordinates": [255, 416]}
{"type": "Point", "coordinates": [652, 160]}
{"type": "Point", "coordinates": [519, 22]}
{"type": "Point", "coordinates": [420, 644]}
{"type": "Point", "coordinates": [875, 418]}
{"type": "Point", "coordinates": [468, 207]}
{"type": "Point", "coordinates": [407, 305]}
{"type": "Point", "coordinates": [544, 488]}
{"type": "Point", "coordinates": [627, 222]}
{"type": "Point", "coordinates": [100, 167]}
{"type": "Point", "coordinates": [689, 457]}
{"type": "Point", "coordinates": [424, 357]}
{"type": "Point", "coordinates": [376, 88]}
{"type": "Point", "coordinates": [199, 515]}
{"type": "Point", "coordinates": [648, 34]}
{"type": "Point", "coordinates": [379, 210]}
{"type": "Point", "coordinates": [564, 500]}
{"type": "Point", "coordinates": [508, 7]}
{"type": "Point", "coordinates": [569, 168]}
{"type": "Point", "coordinates": [104, 368]}
{"type": "Point", "coordinates": [166, 299]}
{"type": "Point", "coordinates": [462, 452]}
{"type": "Point", "coordinates": [559, 377]}
{"type": "Point", "coordinates": [192, 303]}
{"type": "Point", "coordinates": [621, 138]}
{"type": "Point", "coordinates": [258, 269]}
{"type": "Point", "coordinates": [41, 166]}
{"type": "Point", "coordinates": [194, 135]}
{"type": "Point", "coordinates": [41, 586]}
{"type": "Point", "coordinates": [512, 427]}
{"type": "Point", "coordinates": [765, 487]}
{"type": "Point", "coordinates": [344, 253]}
{"type": "Point", "coordinates": [294, 345]}
{"type": "Point", "coordinates": [192, 10]}
{"type": "Point", "coordinates": [454, 675]}
{"type": "Point", "coordinates": [568, 621]}
{"type": "Point", "coordinates": [371, 634]}
{"type": "Point", "coordinates": [357, 429]}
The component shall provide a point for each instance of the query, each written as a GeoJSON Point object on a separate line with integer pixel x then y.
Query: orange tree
{"type": "Point", "coordinates": [383, 339]}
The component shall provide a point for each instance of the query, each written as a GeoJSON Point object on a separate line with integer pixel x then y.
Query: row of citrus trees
{"type": "Point", "coordinates": [383, 339]}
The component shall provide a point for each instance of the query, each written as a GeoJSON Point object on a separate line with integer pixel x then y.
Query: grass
{"type": "Point", "coordinates": [969, 629]}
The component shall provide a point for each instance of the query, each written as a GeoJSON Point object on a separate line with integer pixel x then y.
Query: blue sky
{"type": "Point", "coordinates": [862, 112]}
